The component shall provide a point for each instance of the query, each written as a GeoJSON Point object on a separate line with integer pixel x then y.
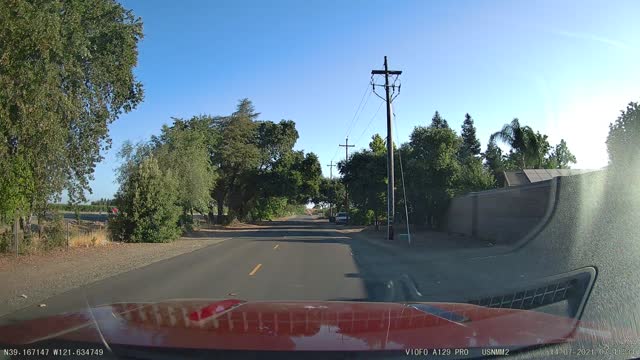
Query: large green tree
{"type": "Point", "coordinates": [474, 176]}
{"type": "Point", "coordinates": [294, 179]}
{"type": "Point", "coordinates": [538, 150]}
{"type": "Point", "coordinates": [311, 172]}
{"type": "Point", "coordinates": [378, 145]}
{"type": "Point", "coordinates": [147, 200]}
{"type": "Point", "coordinates": [275, 140]}
{"type": "Point", "coordinates": [517, 137]}
{"type": "Point", "coordinates": [470, 144]}
{"type": "Point", "coordinates": [495, 162]}
{"type": "Point", "coordinates": [244, 165]}
{"type": "Point", "coordinates": [210, 128]}
{"type": "Point", "coordinates": [365, 178]}
{"type": "Point", "coordinates": [257, 168]}
{"type": "Point", "coordinates": [560, 157]}
{"type": "Point", "coordinates": [272, 192]}
{"type": "Point", "coordinates": [183, 149]}
{"type": "Point", "coordinates": [432, 170]}
{"type": "Point", "coordinates": [623, 141]}
{"type": "Point", "coordinates": [531, 149]}
{"type": "Point", "coordinates": [66, 73]}
{"type": "Point", "coordinates": [236, 155]}
{"type": "Point", "coordinates": [438, 122]}
{"type": "Point", "coordinates": [332, 193]}
{"type": "Point", "coordinates": [16, 188]}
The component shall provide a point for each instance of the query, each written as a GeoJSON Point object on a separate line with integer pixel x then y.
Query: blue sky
{"type": "Point", "coordinates": [564, 67]}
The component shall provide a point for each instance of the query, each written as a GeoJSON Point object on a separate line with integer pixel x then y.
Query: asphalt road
{"type": "Point", "coordinates": [300, 259]}
{"type": "Point", "coordinates": [593, 229]}
{"type": "Point", "coordinates": [307, 259]}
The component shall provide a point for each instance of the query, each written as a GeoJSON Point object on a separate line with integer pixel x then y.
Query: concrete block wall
{"type": "Point", "coordinates": [460, 215]}
{"type": "Point", "coordinates": [502, 216]}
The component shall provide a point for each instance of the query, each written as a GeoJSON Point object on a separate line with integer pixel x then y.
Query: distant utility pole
{"type": "Point", "coordinates": [331, 165]}
{"type": "Point", "coordinates": [391, 207]}
{"type": "Point", "coordinates": [346, 159]}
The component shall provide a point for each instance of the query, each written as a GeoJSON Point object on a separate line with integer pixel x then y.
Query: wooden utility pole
{"type": "Point", "coordinates": [331, 165]}
{"type": "Point", "coordinates": [346, 159]}
{"type": "Point", "coordinates": [390, 173]}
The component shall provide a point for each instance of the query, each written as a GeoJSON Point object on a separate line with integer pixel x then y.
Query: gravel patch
{"type": "Point", "coordinates": [29, 279]}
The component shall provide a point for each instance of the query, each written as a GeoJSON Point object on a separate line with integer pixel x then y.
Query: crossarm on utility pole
{"type": "Point", "coordinates": [384, 72]}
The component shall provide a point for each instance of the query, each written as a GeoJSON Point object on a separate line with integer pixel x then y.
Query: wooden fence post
{"type": "Point", "coordinates": [16, 227]}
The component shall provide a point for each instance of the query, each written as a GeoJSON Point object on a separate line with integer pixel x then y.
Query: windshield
{"type": "Point", "coordinates": [338, 176]}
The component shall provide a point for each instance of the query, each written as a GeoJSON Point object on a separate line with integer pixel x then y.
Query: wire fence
{"type": "Point", "coordinates": [23, 237]}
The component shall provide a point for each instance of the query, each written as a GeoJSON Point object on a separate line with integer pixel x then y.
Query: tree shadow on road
{"type": "Point", "coordinates": [380, 272]}
{"type": "Point", "coordinates": [308, 241]}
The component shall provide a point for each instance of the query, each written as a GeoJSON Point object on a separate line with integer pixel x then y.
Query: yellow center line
{"type": "Point", "coordinates": [275, 247]}
{"type": "Point", "coordinates": [255, 270]}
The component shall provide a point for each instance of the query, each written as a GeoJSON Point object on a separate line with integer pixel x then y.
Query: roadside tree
{"type": "Point", "coordinates": [623, 141]}
{"type": "Point", "coordinates": [147, 206]}
{"type": "Point", "coordinates": [66, 73]}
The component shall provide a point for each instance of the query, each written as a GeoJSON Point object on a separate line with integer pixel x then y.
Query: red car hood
{"type": "Point", "coordinates": [305, 325]}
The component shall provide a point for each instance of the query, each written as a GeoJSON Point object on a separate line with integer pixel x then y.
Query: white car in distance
{"type": "Point", "coordinates": [341, 218]}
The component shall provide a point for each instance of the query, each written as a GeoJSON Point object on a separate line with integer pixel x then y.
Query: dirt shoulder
{"type": "Point", "coordinates": [424, 244]}
{"type": "Point", "coordinates": [44, 275]}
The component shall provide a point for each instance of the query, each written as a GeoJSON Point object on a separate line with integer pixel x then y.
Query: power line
{"type": "Point", "coordinates": [355, 116]}
{"type": "Point", "coordinates": [404, 187]}
{"type": "Point", "coordinates": [369, 124]}
{"type": "Point", "coordinates": [376, 113]}
{"type": "Point", "coordinates": [334, 155]}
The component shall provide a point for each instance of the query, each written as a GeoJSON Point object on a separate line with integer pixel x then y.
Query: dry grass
{"type": "Point", "coordinates": [86, 239]}
{"type": "Point", "coordinates": [80, 236]}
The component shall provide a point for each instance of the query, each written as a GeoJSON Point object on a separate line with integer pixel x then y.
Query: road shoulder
{"type": "Point", "coordinates": [28, 280]}
{"type": "Point", "coordinates": [424, 246]}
